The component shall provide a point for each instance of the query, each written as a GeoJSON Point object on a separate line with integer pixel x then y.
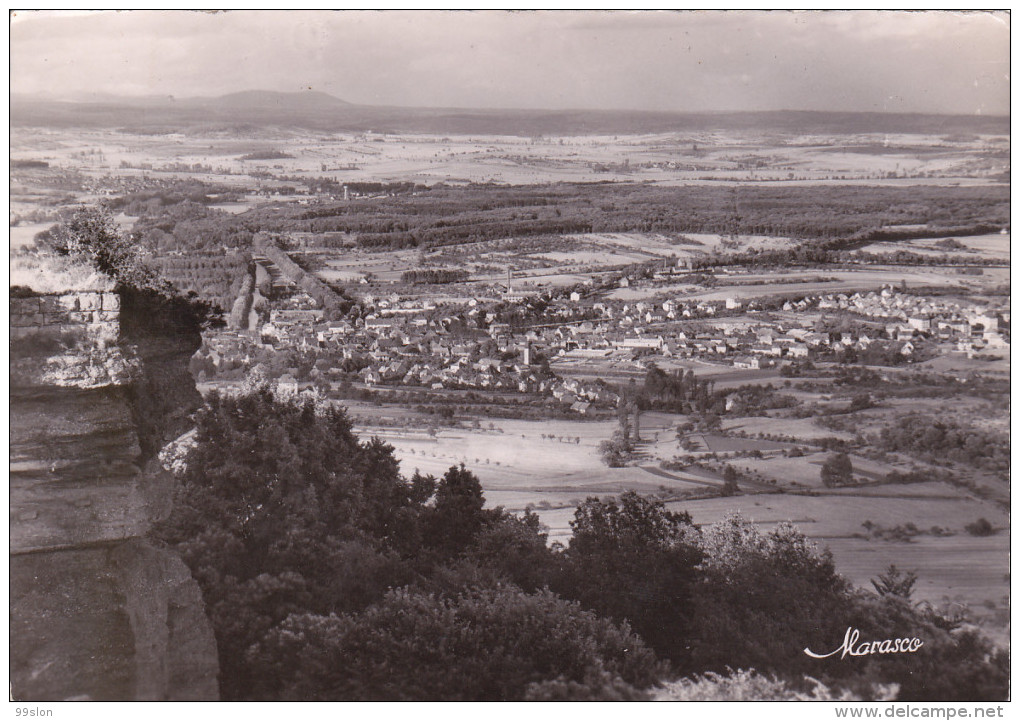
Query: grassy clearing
{"type": "Point", "coordinates": [803, 429]}
{"type": "Point", "coordinates": [953, 573]}
{"type": "Point", "coordinates": [958, 568]}
{"type": "Point", "coordinates": [993, 246]}
{"type": "Point", "coordinates": [725, 444]}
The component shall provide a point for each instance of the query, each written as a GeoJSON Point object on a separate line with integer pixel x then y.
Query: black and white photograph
{"type": "Point", "coordinates": [528, 356]}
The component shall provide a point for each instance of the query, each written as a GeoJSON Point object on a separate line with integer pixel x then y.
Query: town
{"type": "Point", "coordinates": [509, 342]}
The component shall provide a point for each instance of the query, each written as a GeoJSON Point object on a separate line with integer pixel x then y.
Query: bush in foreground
{"type": "Point", "coordinates": [749, 685]}
{"type": "Point", "coordinates": [329, 576]}
{"type": "Point", "coordinates": [489, 645]}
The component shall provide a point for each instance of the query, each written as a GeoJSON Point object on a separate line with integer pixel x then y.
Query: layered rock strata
{"type": "Point", "coordinates": [99, 382]}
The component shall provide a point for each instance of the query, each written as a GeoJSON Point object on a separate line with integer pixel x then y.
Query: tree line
{"type": "Point", "coordinates": [445, 215]}
{"type": "Point", "coordinates": [434, 275]}
{"type": "Point", "coordinates": [941, 439]}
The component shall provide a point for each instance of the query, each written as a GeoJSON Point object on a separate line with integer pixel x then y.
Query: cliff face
{"type": "Point", "coordinates": [99, 382]}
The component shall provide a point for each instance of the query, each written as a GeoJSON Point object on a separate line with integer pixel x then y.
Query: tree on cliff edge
{"type": "Point", "coordinates": [92, 236]}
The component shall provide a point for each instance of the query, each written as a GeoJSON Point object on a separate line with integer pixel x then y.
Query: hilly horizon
{"type": "Point", "coordinates": [317, 110]}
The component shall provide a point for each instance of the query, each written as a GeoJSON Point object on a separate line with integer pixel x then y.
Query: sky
{"type": "Point", "coordinates": [697, 61]}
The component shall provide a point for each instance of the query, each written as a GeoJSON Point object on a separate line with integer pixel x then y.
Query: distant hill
{"type": "Point", "coordinates": [263, 100]}
{"type": "Point", "coordinates": [320, 111]}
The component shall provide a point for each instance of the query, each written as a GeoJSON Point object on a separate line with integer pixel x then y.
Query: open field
{"type": "Point", "coordinates": [698, 157]}
{"type": "Point", "coordinates": [835, 514]}
{"type": "Point", "coordinates": [803, 429]}
{"type": "Point", "coordinates": [801, 283]}
{"type": "Point", "coordinates": [23, 236]}
{"type": "Point", "coordinates": [519, 467]}
{"type": "Point", "coordinates": [955, 572]}
{"type": "Point", "coordinates": [959, 568]}
{"type": "Point", "coordinates": [805, 471]}
{"type": "Point", "coordinates": [600, 252]}
{"type": "Point", "coordinates": [994, 246]}
{"type": "Point", "coordinates": [554, 262]}
{"type": "Point", "coordinates": [960, 363]}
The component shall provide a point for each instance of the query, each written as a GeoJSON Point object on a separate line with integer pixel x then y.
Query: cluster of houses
{"type": "Point", "coordinates": [484, 346]}
{"type": "Point", "coordinates": [972, 327]}
{"type": "Point", "coordinates": [408, 343]}
{"type": "Point", "coordinates": [727, 335]}
{"type": "Point", "coordinates": [715, 331]}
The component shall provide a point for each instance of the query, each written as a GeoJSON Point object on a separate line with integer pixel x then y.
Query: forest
{"type": "Point", "coordinates": [330, 576]}
{"type": "Point", "coordinates": [445, 215]}
{"type": "Point", "coordinates": [178, 220]}
{"type": "Point", "coordinates": [434, 276]}
{"type": "Point", "coordinates": [943, 440]}
{"type": "Point", "coordinates": [216, 278]}
{"type": "Point", "coordinates": [143, 201]}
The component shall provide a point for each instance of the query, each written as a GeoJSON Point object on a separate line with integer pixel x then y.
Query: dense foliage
{"type": "Point", "coordinates": [217, 278]}
{"type": "Point", "coordinates": [328, 575]}
{"type": "Point", "coordinates": [442, 216]}
{"type": "Point", "coordinates": [283, 514]}
{"type": "Point", "coordinates": [678, 391]}
{"type": "Point", "coordinates": [489, 645]}
{"type": "Point", "coordinates": [837, 470]}
{"type": "Point", "coordinates": [434, 275]}
{"type": "Point", "coordinates": [477, 213]}
{"type": "Point", "coordinates": [91, 235]}
{"type": "Point", "coordinates": [944, 440]}
{"type": "Point", "coordinates": [647, 555]}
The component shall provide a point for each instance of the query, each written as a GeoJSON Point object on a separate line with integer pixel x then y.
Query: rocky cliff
{"type": "Point", "coordinates": [99, 382]}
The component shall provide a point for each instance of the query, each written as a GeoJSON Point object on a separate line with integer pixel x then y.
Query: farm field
{"type": "Point", "coordinates": [541, 463]}
{"type": "Point", "coordinates": [566, 260]}
{"type": "Point", "coordinates": [668, 158]}
{"type": "Point", "coordinates": [519, 467]}
{"type": "Point", "coordinates": [804, 429]}
{"type": "Point", "coordinates": [994, 246]}
{"type": "Point", "coordinates": [716, 242]}
{"type": "Point", "coordinates": [834, 515]}
{"type": "Point", "coordinates": [958, 568]}
{"type": "Point", "coordinates": [836, 281]}
{"type": "Point", "coordinates": [960, 363]}
{"type": "Point", "coordinates": [958, 571]}
{"type": "Point", "coordinates": [805, 471]}
{"type": "Point", "coordinates": [23, 235]}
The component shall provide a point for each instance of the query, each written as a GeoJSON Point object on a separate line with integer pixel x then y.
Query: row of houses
{"type": "Point", "coordinates": [910, 313]}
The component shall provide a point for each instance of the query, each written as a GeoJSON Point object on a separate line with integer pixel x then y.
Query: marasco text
{"type": "Point", "coordinates": [850, 647]}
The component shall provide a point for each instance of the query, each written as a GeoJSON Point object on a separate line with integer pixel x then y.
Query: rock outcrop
{"type": "Point", "coordinates": [99, 382]}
